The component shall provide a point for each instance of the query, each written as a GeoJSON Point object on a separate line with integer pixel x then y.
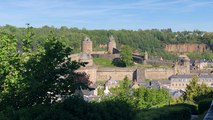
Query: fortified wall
{"type": "Point", "coordinates": [185, 48]}
{"type": "Point", "coordinates": [115, 73]}
{"type": "Point", "coordinates": [158, 73]}
{"type": "Point", "coordinates": [139, 74]}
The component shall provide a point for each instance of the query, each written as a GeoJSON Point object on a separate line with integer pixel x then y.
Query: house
{"type": "Point", "coordinates": [180, 81]}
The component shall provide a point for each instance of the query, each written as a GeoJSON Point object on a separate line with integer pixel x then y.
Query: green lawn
{"type": "Point", "coordinates": [103, 62]}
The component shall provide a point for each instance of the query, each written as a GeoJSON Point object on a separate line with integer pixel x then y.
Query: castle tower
{"type": "Point", "coordinates": [145, 58]}
{"type": "Point", "coordinates": [183, 65]}
{"type": "Point", "coordinates": [84, 57]}
{"type": "Point", "coordinates": [86, 45]}
{"type": "Point", "coordinates": [111, 45]}
{"type": "Point", "coordinates": [145, 55]}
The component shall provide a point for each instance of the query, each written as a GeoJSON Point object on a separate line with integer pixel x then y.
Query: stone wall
{"type": "Point", "coordinates": [158, 73]}
{"type": "Point", "coordinates": [96, 74]}
{"type": "Point", "coordinates": [185, 48]}
{"type": "Point", "coordinates": [107, 56]}
{"type": "Point", "coordinates": [74, 57]}
{"type": "Point", "coordinates": [91, 72]}
{"type": "Point", "coordinates": [115, 73]}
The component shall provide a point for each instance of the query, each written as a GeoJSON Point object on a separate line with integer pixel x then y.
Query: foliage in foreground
{"type": "Point", "coordinates": [195, 92]}
{"type": "Point", "coordinates": [165, 113]}
{"type": "Point", "coordinates": [29, 78]}
{"type": "Point", "coordinates": [74, 108]}
{"type": "Point", "coordinates": [204, 105]}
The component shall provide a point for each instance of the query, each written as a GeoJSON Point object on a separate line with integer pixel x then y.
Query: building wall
{"type": "Point", "coordinates": [86, 46]}
{"type": "Point", "coordinates": [74, 57]}
{"type": "Point", "coordinates": [185, 48]}
{"type": "Point", "coordinates": [158, 73]}
{"type": "Point", "coordinates": [107, 56]}
{"type": "Point", "coordinates": [182, 84]}
{"type": "Point", "coordinates": [132, 73]}
{"type": "Point", "coordinates": [115, 73]}
{"type": "Point", "coordinates": [91, 72]}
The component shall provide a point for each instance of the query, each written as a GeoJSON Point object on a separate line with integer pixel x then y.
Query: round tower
{"type": "Point", "coordinates": [145, 55]}
{"type": "Point", "coordinates": [84, 57]}
{"type": "Point", "coordinates": [183, 65]}
{"type": "Point", "coordinates": [111, 45]}
{"type": "Point", "coordinates": [86, 45]}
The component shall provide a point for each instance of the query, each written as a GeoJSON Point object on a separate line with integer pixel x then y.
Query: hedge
{"type": "Point", "coordinates": [193, 108]}
{"type": "Point", "coordinates": [165, 113]}
{"type": "Point", "coordinates": [204, 105]}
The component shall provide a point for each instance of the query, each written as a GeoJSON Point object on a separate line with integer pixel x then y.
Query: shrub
{"type": "Point", "coordinates": [165, 113]}
{"type": "Point", "coordinates": [193, 108]}
{"type": "Point", "coordinates": [204, 105]}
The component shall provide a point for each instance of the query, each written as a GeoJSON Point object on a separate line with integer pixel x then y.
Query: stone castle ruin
{"type": "Point", "coordinates": [86, 46]}
{"type": "Point", "coordinates": [116, 73]}
{"type": "Point", "coordinates": [111, 45]}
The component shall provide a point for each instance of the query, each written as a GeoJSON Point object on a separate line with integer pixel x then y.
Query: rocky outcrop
{"type": "Point", "coordinates": [185, 48]}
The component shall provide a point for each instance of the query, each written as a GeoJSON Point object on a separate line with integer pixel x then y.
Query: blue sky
{"type": "Point", "coordinates": [110, 14]}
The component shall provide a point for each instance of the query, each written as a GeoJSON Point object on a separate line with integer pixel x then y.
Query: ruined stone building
{"type": "Point", "coordinates": [138, 74]}
{"type": "Point", "coordinates": [182, 66]}
{"type": "Point", "coordinates": [111, 45]}
{"type": "Point", "coordinates": [86, 45]}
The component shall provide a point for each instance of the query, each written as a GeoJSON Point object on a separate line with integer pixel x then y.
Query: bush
{"type": "Point", "coordinates": [73, 108]}
{"type": "Point", "coordinates": [193, 108]}
{"type": "Point", "coordinates": [165, 113]}
{"type": "Point", "coordinates": [204, 105]}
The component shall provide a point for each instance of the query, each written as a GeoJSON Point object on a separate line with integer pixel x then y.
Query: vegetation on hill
{"type": "Point", "coordinates": [152, 41]}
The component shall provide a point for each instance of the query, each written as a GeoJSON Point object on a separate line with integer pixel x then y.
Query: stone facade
{"type": "Point", "coordinates": [183, 65]}
{"type": "Point", "coordinates": [84, 57]}
{"type": "Point", "coordinates": [158, 73]}
{"type": "Point", "coordinates": [140, 75]}
{"type": "Point", "coordinates": [185, 48]}
{"type": "Point", "coordinates": [180, 82]}
{"type": "Point", "coordinates": [115, 73]}
{"type": "Point", "coordinates": [111, 45]}
{"type": "Point", "coordinates": [86, 45]}
{"type": "Point", "coordinates": [91, 72]}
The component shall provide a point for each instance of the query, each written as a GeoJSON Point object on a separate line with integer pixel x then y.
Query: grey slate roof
{"type": "Point", "coordinates": [191, 75]}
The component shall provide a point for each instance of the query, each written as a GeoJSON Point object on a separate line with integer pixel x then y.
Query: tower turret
{"type": "Point", "coordinates": [111, 45]}
{"type": "Point", "coordinates": [86, 45]}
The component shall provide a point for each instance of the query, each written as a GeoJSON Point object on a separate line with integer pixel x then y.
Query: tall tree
{"type": "Point", "coordinates": [11, 68]}
{"type": "Point", "coordinates": [194, 90]}
{"type": "Point", "coordinates": [126, 55]}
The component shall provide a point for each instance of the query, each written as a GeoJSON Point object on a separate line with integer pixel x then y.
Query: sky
{"type": "Point", "coordinates": [179, 15]}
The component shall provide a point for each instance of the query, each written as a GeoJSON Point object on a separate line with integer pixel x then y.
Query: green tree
{"type": "Point", "coordinates": [40, 77]}
{"type": "Point", "coordinates": [191, 90]}
{"type": "Point", "coordinates": [194, 90]}
{"type": "Point", "coordinates": [11, 68]}
{"type": "Point", "coordinates": [51, 75]}
{"type": "Point", "coordinates": [126, 55]}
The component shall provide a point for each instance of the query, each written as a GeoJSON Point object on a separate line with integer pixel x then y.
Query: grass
{"type": "Point", "coordinates": [103, 62]}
